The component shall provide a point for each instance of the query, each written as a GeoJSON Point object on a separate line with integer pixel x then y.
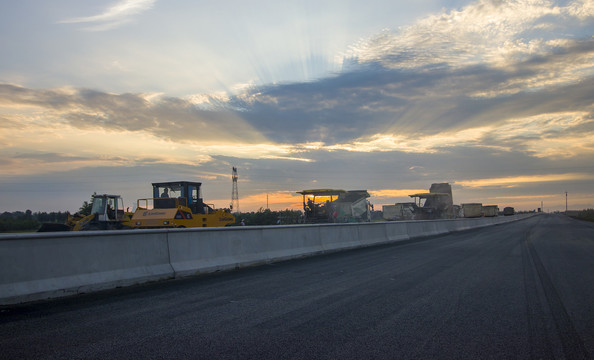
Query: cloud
{"type": "Point", "coordinates": [115, 15]}
{"type": "Point", "coordinates": [418, 110]}
{"type": "Point", "coordinates": [488, 63]}
{"type": "Point", "coordinates": [172, 119]}
{"type": "Point", "coordinates": [409, 105]}
{"type": "Point", "coordinates": [484, 32]}
{"type": "Point", "coordinates": [518, 180]}
{"type": "Point", "coordinates": [276, 200]}
{"type": "Point", "coordinates": [49, 157]}
{"type": "Point", "coordinates": [394, 193]}
{"type": "Point", "coordinates": [581, 9]}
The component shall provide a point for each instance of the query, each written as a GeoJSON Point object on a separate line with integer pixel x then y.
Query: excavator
{"type": "Point", "coordinates": [178, 204]}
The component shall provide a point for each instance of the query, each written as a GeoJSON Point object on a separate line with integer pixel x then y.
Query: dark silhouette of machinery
{"type": "Point", "coordinates": [334, 205]}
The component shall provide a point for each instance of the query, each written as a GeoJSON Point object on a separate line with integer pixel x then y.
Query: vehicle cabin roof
{"type": "Point", "coordinates": [322, 192]}
{"type": "Point", "coordinates": [176, 184]}
{"type": "Point", "coordinates": [428, 195]}
{"type": "Point", "coordinates": [105, 195]}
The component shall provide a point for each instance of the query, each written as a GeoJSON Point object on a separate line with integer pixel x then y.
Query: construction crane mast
{"type": "Point", "coordinates": [234, 192]}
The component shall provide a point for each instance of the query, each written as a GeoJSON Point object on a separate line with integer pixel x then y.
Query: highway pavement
{"type": "Point", "coordinates": [523, 290]}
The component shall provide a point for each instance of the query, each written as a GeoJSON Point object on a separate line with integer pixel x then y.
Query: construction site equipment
{"type": "Point", "coordinates": [471, 210]}
{"type": "Point", "coordinates": [436, 204]}
{"type": "Point", "coordinates": [334, 205]}
{"type": "Point", "coordinates": [400, 211]}
{"type": "Point", "coordinates": [490, 210]}
{"type": "Point", "coordinates": [178, 204]}
{"type": "Point", "coordinates": [107, 213]}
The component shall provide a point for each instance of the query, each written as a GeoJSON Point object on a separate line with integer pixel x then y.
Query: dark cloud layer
{"type": "Point", "coordinates": [379, 100]}
{"type": "Point", "coordinates": [169, 118]}
{"type": "Point", "coordinates": [369, 100]}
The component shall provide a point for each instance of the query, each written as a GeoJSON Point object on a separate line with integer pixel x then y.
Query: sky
{"type": "Point", "coordinates": [494, 97]}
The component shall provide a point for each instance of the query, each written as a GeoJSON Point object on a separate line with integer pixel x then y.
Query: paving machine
{"type": "Point", "coordinates": [438, 203]}
{"type": "Point", "coordinates": [333, 205]}
{"type": "Point", "coordinates": [178, 204]}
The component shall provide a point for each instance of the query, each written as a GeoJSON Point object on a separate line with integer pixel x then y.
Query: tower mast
{"type": "Point", "coordinates": [235, 192]}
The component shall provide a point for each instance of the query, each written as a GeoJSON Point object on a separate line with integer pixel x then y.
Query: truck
{"type": "Point", "coordinates": [471, 210]}
{"type": "Point", "coordinates": [490, 210]}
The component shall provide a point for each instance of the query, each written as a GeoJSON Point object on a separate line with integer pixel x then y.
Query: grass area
{"type": "Point", "coordinates": [587, 215]}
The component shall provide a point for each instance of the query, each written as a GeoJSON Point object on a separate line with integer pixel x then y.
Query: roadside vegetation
{"type": "Point", "coordinates": [28, 221]}
{"type": "Point", "coordinates": [19, 221]}
{"type": "Point", "coordinates": [587, 214]}
{"type": "Point", "coordinates": [269, 217]}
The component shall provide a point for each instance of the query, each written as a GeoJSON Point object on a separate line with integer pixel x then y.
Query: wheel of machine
{"type": "Point", "coordinates": [94, 227]}
{"type": "Point", "coordinates": [50, 227]}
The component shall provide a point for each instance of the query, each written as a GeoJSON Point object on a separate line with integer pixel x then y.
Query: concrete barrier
{"type": "Point", "coordinates": [396, 231]}
{"type": "Point", "coordinates": [373, 234]}
{"type": "Point", "coordinates": [194, 251]}
{"type": "Point", "coordinates": [338, 236]}
{"type": "Point", "coordinates": [422, 228]}
{"type": "Point", "coordinates": [38, 266]}
{"type": "Point", "coordinates": [289, 242]}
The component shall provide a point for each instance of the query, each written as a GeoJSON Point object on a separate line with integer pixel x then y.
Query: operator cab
{"type": "Point", "coordinates": [318, 204]}
{"type": "Point", "coordinates": [107, 207]}
{"type": "Point", "coordinates": [169, 195]}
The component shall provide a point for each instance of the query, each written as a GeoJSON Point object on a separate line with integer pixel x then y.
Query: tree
{"type": "Point", "coordinates": [85, 209]}
{"type": "Point", "coordinates": [268, 217]}
{"type": "Point", "coordinates": [586, 214]}
{"type": "Point", "coordinates": [18, 221]}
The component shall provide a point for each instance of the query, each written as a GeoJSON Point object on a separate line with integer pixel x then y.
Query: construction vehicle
{"type": "Point", "coordinates": [472, 210]}
{"type": "Point", "coordinates": [333, 205]}
{"type": "Point", "coordinates": [107, 213]}
{"type": "Point", "coordinates": [438, 203]}
{"type": "Point", "coordinates": [178, 204]}
{"type": "Point", "coordinates": [490, 210]}
{"type": "Point", "coordinates": [400, 211]}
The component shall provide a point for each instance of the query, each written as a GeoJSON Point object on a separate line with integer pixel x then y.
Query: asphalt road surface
{"type": "Point", "coordinates": [523, 290]}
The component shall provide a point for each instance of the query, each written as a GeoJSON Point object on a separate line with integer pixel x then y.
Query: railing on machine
{"type": "Point", "coordinates": [161, 203]}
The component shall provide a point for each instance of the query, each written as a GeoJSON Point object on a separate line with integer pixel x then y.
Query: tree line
{"type": "Point", "coordinates": [31, 221]}
{"type": "Point", "coordinates": [28, 220]}
{"type": "Point", "coordinates": [587, 214]}
{"type": "Point", "coordinates": [269, 217]}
